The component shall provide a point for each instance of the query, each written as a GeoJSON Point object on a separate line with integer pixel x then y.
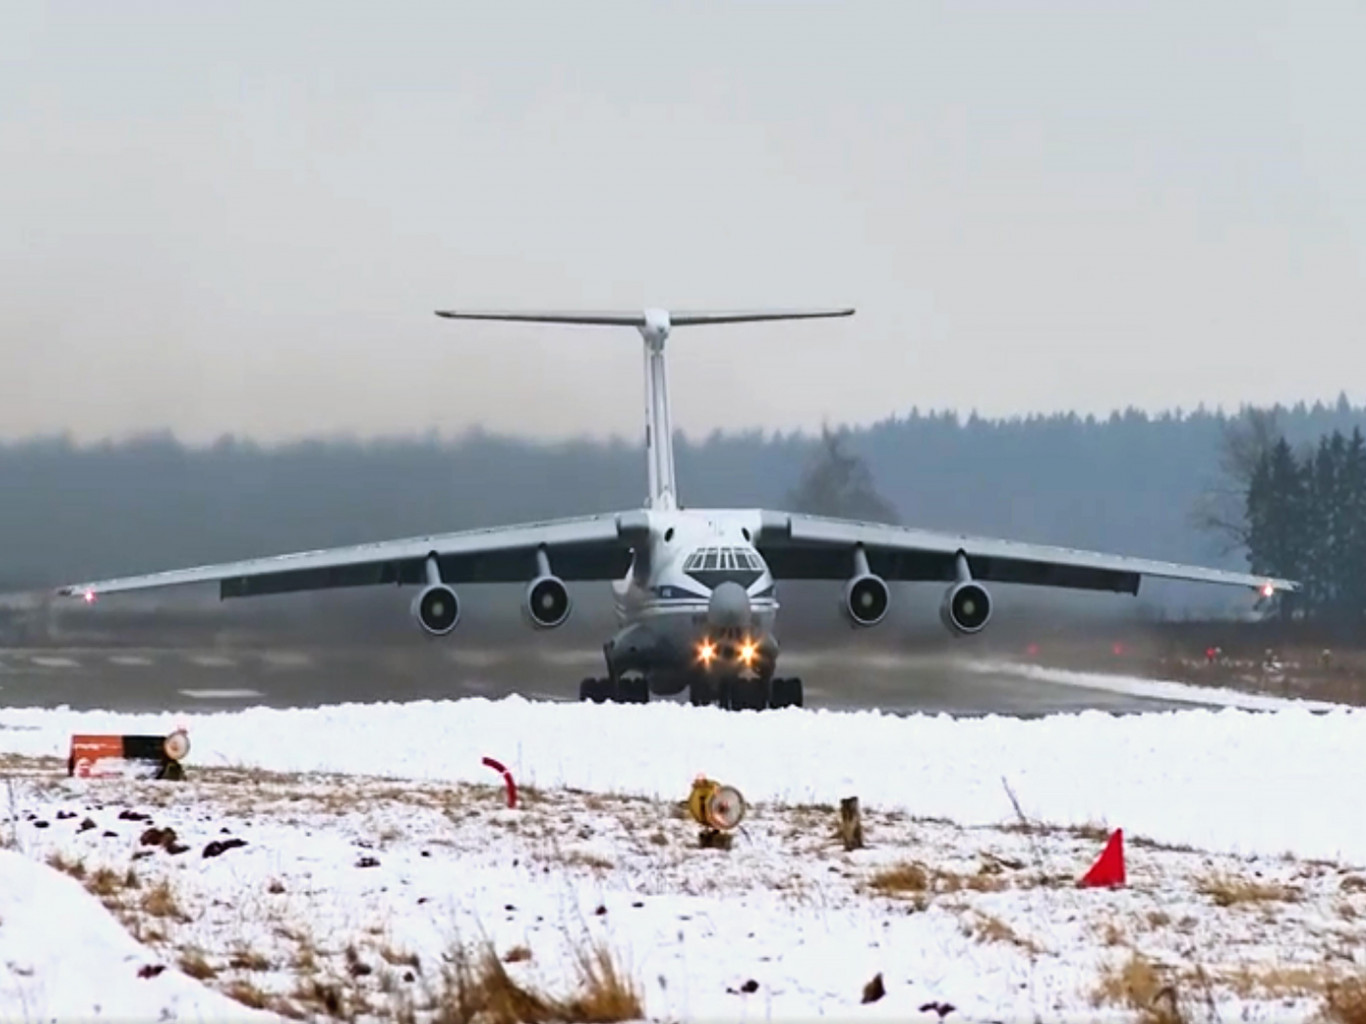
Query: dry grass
{"type": "Point", "coordinates": [192, 962]}
{"type": "Point", "coordinates": [249, 960]}
{"type": "Point", "coordinates": [247, 994]}
{"type": "Point", "coordinates": [67, 865]}
{"type": "Point", "coordinates": [1278, 981]}
{"type": "Point", "coordinates": [1345, 1001]}
{"type": "Point", "coordinates": [1228, 890]}
{"type": "Point", "coordinates": [1138, 984]}
{"type": "Point", "coordinates": [915, 877]}
{"type": "Point", "coordinates": [587, 859]}
{"type": "Point", "coordinates": [908, 876]}
{"type": "Point", "coordinates": [160, 901]}
{"type": "Point", "coordinates": [477, 989]}
{"type": "Point", "coordinates": [989, 928]}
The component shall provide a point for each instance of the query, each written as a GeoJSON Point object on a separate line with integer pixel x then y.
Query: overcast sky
{"type": "Point", "coordinates": [240, 217]}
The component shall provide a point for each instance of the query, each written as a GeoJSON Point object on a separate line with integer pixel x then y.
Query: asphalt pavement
{"type": "Point", "coordinates": [179, 679]}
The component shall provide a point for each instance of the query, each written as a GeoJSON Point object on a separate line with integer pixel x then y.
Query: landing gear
{"type": "Point", "coordinates": [749, 694]}
{"type": "Point", "coordinates": [787, 693]}
{"type": "Point", "coordinates": [622, 691]}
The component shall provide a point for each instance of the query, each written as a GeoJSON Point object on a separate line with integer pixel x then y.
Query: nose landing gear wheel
{"type": "Point", "coordinates": [749, 695]}
{"type": "Point", "coordinates": [701, 694]}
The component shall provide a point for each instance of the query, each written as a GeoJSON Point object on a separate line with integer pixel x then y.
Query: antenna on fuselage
{"type": "Point", "coordinates": [654, 326]}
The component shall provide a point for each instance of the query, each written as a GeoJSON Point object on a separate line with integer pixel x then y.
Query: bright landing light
{"type": "Point", "coordinates": [706, 651]}
{"type": "Point", "coordinates": [747, 652]}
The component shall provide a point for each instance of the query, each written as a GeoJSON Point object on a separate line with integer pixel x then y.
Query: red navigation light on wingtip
{"type": "Point", "coordinates": [89, 597]}
{"type": "Point", "coordinates": [1268, 589]}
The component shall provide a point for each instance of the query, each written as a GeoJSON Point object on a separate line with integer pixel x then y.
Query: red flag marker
{"type": "Point", "coordinates": [1108, 870]}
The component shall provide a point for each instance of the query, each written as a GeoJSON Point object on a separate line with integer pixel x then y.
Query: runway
{"type": "Point", "coordinates": [199, 680]}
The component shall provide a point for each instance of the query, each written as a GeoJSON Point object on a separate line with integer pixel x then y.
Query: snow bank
{"type": "Point", "coordinates": [64, 957]}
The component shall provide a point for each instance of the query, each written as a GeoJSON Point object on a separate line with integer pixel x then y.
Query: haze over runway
{"type": "Point", "coordinates": [188, 679]}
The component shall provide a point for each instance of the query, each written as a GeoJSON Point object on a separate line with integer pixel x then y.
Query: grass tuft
{"type": "Point", "coordinates": [477, 989]}
{"type": "Point", "coordinates": [1345, 1002]}
{"type": "Point", "coordinates": [1229, 890]}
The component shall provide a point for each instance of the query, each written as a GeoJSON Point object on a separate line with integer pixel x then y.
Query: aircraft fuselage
{"type": "Point", "coordinates": [697, 608]}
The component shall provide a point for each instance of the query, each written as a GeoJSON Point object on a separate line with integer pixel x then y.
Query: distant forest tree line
{"type": "Point", "coordinates": [1274, 490]}
{"type": "Point", "coordinates": [1305, 519]}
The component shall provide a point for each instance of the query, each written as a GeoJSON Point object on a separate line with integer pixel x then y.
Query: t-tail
{"type": "Point", "coordinates": [654, 326]}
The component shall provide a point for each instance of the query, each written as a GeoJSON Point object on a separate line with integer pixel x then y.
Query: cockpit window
{"type": "Point", "coordinates": [713, 566]}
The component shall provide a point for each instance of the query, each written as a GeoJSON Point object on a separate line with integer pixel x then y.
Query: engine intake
{"type": "Point", "coordinates": [546, 604]}
{"type": "Point", "coordinates": [865, 600]}
{"type": "Point", "coordinates": [966, 608]}
{"type": "Point", "coordinates": [436, 609]}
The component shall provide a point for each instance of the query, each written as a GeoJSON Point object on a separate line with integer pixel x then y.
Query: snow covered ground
{"type": "Point", "coordinates": [374, 840]}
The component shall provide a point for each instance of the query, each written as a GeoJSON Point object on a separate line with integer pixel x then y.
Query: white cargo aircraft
{"type": "Point", "coordinates": [693, 588]}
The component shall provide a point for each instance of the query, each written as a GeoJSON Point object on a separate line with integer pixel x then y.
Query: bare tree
{"type": "Point", "coordinates": [839, 483]}
{"type": "Point", "coordinates": [1222, 509]}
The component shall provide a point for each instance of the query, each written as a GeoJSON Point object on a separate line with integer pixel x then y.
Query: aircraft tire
{"type": "Point", "coordinates": [596, 690]}
{"type": "Point", "coordinates": [749, 695]}
{"type": "Point", "coordinates": [702, 693]}
{"type": "Point", "coordinates": [633, 691]}
{"type": "Point", "coordinates": [787, 693]}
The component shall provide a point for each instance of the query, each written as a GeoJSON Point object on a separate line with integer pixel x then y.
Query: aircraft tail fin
{"type": "Point", "coordinates": [654, 326]}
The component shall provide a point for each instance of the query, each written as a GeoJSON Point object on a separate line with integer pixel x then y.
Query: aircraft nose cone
{"type": "Point", "coordinates": [729, 606]}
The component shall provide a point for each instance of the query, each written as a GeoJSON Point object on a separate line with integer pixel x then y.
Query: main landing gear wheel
{"type": "Point", "coordinates": [624, 691]}
{"type": "Point", "coordinates": [748, 694]}
{"type": "Point", "coordinates": [786, 693]}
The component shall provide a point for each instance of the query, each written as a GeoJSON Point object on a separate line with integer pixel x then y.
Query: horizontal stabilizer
{"type": "Point", "coordinates": [641, 318]}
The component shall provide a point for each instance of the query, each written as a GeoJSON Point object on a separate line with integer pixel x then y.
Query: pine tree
{"type": "Point", "coordinates": [1319, 516]}
{"type": "Point", "coordinates": [1276, 513]}
{"type": "Point", "coordinates": [1351, 565]}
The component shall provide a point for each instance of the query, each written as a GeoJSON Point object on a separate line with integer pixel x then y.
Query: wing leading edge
{"type": "Point", "coordinates": [798, 546]}
{"type": "Point", "coordinates": [585, 548]}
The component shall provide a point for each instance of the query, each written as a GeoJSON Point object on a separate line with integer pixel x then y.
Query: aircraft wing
{"type": "Point", "coordinates": [593, 547]}
{"type": "Point", "coordinates": [798, 546]}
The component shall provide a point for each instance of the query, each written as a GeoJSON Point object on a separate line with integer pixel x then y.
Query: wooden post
{"type": "Point", "coordinates": [851, 824]}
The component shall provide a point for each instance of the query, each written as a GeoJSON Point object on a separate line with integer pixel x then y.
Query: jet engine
{"type": "Point", "coordinates": [865, 600]}
{"type": "Point", "coordinates": [966, 608]}
{"type": "Point", "coordinates": [436, 609]}
{"type": "Point", "coordinates": [546, 604]}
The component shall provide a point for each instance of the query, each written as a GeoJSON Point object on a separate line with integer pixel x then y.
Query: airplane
{"type": "Point", "coordinates": [694, 590]}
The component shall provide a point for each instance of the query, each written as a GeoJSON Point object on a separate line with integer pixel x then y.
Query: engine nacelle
{"type": "Point", "coordinates": [966, 608]}
{"type": "Point", "coordinates": [546, 604]}
{"type": "Point", "coordinates": [436, 609]}
{"type": "Point", "coordinates": [865, 600]}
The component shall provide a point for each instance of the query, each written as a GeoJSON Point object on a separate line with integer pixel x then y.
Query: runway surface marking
{"type": "Point", "coordinates": [213, 660]}
{"type": "Point", "coordinates": [223, 694]}
{"type": "Point", "coordinates": [286, 659]}
{"type": "Point", "coordinates": [54, 662]}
